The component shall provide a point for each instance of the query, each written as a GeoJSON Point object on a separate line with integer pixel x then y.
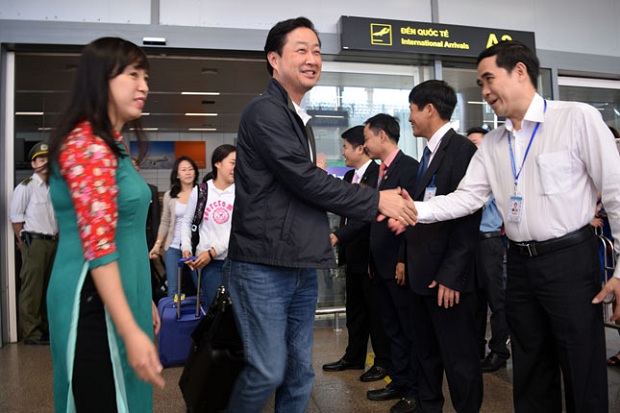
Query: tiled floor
{"type": "Point", "coordinates": [26, 386]}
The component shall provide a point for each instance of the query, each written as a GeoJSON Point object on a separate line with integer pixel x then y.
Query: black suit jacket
{"type": "Point", "coordinates": [153, 217]}
{"type": "Point", "coordinates": [444, 251]}
{"type": "Point", "coordinates": [353, 235]}
{"type": "Point", "coordinates": [384, 244]}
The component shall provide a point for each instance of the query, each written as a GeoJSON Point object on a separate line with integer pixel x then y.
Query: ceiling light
{"type": "Point", "coordinates": [329, 116]}
{"type": "Point", "coordinates": [201, 114]}
{"type": "Point", "coordinates": [202, 129]}
{"type": "Point", "coordinates": [146, 113]}
{"type": "Point", "coordinates": [43, 129]}
{"type": "Point", "coordinates": [473, 102]}
{"type": "Point", "coordinates": [201, 93]}
{"type": "Point", "coordinates": [29, 113]}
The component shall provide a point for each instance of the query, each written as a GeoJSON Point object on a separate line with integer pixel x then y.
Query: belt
{"type": "Point", "coordinates": [534, 248]}
{"type": "Point", "coordinates": [493, 234]}
{"type": "Point", "coordinates": [34, 235]}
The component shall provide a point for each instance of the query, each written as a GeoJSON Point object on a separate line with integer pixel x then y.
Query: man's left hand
{"type": "Point", "coordinates": [611, 287]}
{"type": "Point", "coordinates": [446, 296]}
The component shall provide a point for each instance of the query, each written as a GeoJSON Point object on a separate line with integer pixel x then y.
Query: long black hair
{"type": "Point", "coordinates": [101, 60]}
{"type": "Point", "coordinates": [175, 182]}
{"type": "Point", "coordinates": [219, 154]}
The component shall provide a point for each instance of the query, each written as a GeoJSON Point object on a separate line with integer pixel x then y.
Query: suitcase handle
{"type": "Point", "coordinates": [181, 263]}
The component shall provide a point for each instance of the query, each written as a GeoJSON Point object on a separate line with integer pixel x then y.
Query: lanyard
{"type": "Point", "coordinates": [516, 174]}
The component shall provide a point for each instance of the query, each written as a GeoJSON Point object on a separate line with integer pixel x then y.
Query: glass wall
{"type": "Point", "coordinates": [471, 109]}
{"type": "Point", "coordinates": [602, 94]}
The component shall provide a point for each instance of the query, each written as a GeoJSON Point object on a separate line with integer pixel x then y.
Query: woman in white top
{"type": "Point", "coordinates": [183, 178]}
{"type": "Point", "coordinates": [214, 230]}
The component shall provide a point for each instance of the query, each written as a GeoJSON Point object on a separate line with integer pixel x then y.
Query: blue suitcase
{"type": "Point", "coordinates": [178, 321]}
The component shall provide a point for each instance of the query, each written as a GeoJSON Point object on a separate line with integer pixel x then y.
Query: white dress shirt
{"type": "Point", "coordinates": [32, 205]}
{"type": "Point", "coordinates": [573, 156]}
{"type": "Point", "coordinates": [361, 171]}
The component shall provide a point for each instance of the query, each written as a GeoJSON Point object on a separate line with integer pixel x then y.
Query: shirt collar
{"type": "Point", "coordinates": [360, 172]}
{"type": "Point", "coordinates": [390, 158]}
{"type": "Point", "coordinates": [435, 140]}
{"type": "Point", "coordinates": [535, 113]}
{"type": "Point", "coordinates": [302, 113]}
{"type": "Point", "coordinates": [37, 179]}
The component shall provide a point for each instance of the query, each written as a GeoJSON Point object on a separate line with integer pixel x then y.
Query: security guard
{"type": "Point", "coordinates": [35, 227]}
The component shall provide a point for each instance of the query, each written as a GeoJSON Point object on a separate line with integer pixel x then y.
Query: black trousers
{"type": "Point", "coordinates": [395, 308]}
{"type": "Point", "coordinates": [446, 342]}
{"type": "Point", "coordinates": [554, 327]}
{"type": "Point", "coordinates": [364, 321]}
{"type": "Point", "coordinates": [491, 293]}
{"type": "Point", "coordinates": [93, 379]}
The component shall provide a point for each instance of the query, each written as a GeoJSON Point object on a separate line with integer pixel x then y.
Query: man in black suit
{"type": "Point", "coordinates": [352, 237]}
{"type": "Point", "coordinates": [397, 170]}
{"type": "Point", "coordinates": [440, 258]}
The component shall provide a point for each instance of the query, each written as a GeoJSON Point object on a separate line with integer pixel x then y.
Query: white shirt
{"type": "Point", "coordinates": [32, 205]}
{"type": "Point", "coordinates": [179, 214]}
{"type": "Point", "coordinates": [361, 171]}
{"type": "Point", "coordinates": [305, 118]}
{"type": "Point", "coordinates": [435, 141]}
{"type": "Point", "coordinates": [573, 156]}
{"type": "Point", "coordinates": [215, 228]}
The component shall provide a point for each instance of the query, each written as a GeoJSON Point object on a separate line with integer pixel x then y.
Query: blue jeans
{"type": "Point", "coordinates": [171, 259]}
{"type": "Point", "coordinates": [274, 308]}
{"type": "Point", "coordinates": [210, 280]}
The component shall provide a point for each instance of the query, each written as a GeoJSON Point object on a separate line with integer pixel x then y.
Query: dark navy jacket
{"type": "Point", "coordinates": [281, 195]}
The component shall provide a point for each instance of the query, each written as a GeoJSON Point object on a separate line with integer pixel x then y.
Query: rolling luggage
{"type": "Point", "coordinates": [179, 317]}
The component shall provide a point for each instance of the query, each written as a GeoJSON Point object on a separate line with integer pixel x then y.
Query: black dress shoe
{"type": "Point", "coordinates": [374, 373]}
{"type": "Point", "coordinates": [37, 342]}
{"type": "Point", "coordinates": [387, 393]}
{"type": "Point", "coordinates": [341, 365]}
{"type": "Point", "coordinates": [406, 405]}
{"type": "Point", "coordinates": [492, 362]}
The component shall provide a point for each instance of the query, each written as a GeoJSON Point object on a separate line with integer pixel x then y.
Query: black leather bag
{"type": "Point", "coordinates": [215, 359]}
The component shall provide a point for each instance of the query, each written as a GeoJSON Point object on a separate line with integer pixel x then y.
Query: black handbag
{"type": "Point", "coordinates": [215, 359]}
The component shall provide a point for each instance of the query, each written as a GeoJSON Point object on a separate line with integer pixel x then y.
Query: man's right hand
{"type": "Point", "coordinates": [397, 204]}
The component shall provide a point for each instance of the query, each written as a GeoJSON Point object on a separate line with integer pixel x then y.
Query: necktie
{"type": "Point", "coordinates": [382, 168]}
{"type": "Point", "coordinates": [356, 178]}
{"type": "Point", "coordinates": [423, 164]}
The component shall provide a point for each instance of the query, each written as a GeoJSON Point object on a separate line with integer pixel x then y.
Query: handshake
{"type": "Point", "coordinates": [398, 206]}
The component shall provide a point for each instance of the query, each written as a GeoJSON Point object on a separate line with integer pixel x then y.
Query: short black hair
{"type": "Point", "coordinates": [436, 92]}
{"type": "Point", "coordinates": [354, 135]}
{"type": "Point", "coordinates": [278, 33]}
{"type": "Point", "coordinates": [386, 123]}
{"type": "Point", "coordinates": [511, 52]}
{"type": "Point", "coordinates": [476, 129]}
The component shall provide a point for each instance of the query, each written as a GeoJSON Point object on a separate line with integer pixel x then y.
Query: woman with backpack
{"type": "Point", "coordinates": [215, 224]}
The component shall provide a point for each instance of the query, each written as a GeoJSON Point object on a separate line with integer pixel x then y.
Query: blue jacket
{"type": "Point", "coordinates": [279, 215]}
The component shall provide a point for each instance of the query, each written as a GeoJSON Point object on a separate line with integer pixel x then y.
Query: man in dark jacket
{"type": "Point", "coordinates": [382, 133]}
{"type": "Point", "coordinates": [352, 238]}
{"type": "Point", "coordinates": [280, 231]}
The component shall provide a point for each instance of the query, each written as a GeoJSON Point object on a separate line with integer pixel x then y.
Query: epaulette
{"type": "Point", "coordinates": [26, 181]}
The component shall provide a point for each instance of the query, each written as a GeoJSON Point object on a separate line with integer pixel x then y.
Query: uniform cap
{"type": "Point", "coordinates": [39, 149]}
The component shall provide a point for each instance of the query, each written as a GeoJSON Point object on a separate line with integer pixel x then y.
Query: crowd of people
{"type": "Point", "coordinates": [423, 240]}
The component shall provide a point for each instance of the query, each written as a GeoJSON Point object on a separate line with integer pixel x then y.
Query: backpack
{"type": "Point", "coordinates": [203, 193]}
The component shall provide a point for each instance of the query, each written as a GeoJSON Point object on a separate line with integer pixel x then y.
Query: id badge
{"type": "Point", "coordinates": [430, 193]}
{"type": "Point", "coordinates": [515, 210]}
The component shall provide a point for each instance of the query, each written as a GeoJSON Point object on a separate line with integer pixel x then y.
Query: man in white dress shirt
{"type": "Point", "coordinates": [34, 225]}
{"type": "Point", "coordinates": [545, 167]}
